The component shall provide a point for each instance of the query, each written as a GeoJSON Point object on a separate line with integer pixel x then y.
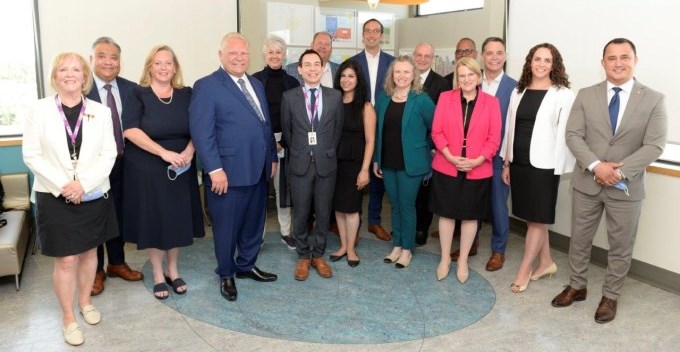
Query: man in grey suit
{"type": "Point", "coordinates": [615, 130]}
{"type": "Point", "coordinates": [322, 43]}
{"type": "Point", "coordinates": [311, 122]}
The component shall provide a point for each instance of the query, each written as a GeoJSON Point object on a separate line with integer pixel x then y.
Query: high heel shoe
{"type": "Point", "coordinates": [462, 277]}
{"type": "Point", "coordinates": [403, 262]}
{"type": "Point", "coordinates": [548, 271]}
{"type": "Point", "coordinates": [443, 272]}
{"type": "Point", "coordinates": [515, 288]}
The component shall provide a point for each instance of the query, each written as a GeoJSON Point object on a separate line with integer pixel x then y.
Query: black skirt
{"type": "Point", "coordinates": [534, 193]}
{"type": "Point", "coordinates": [458, 197]}
{"type": "Point", "coordinates": [347, 198]}
{"type": "Point", "coordinates": [69, 229]}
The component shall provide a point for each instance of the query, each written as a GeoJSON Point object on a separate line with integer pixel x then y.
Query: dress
{"type": "Point", "coordinates": [534, 191]}
{"type": "Point", "coordinates": [347, 198]}
{"type": "Point", "coordinates": [159, 212]}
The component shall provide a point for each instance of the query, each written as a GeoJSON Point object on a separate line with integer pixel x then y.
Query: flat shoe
{"type": "Point", "coordinates": [335, 258]}
{"type": "Point", "coordinates": [158, 288]}
{"type": "Point", "coordinates": [73, 335]}
{"type": "Point", "coordinates": [91, 314]}
{"type": "Point", "coordinates": [353, 263]}
{"type": "Point", "coordinates": [176, 284]}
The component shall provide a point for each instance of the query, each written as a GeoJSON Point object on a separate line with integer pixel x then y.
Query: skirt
{"type": "Point", "coordinates": [69, 229]}
{"type": "Point", "coordinates": [534, 193]}
{"type": "Point", "coordinates": [347, 198]}
{"type": "Point", "coordinates": [458, 197]}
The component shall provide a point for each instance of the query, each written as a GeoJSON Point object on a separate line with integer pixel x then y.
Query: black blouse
{"type": "Point", "coordinates": [393, 152]}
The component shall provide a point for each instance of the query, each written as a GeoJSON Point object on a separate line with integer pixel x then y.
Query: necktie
{"type": "Point", "coordinates": [115, 119]}
{"type": "Point", "coordinates": [614, 108]}
{"type": "Point", "coordinates": [250, 99]}
{"type": "Point", "coordinates": [312, 101]}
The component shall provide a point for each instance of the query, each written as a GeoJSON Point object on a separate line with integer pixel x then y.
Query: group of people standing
{"type": "Point", "coordinates": [324, 133]}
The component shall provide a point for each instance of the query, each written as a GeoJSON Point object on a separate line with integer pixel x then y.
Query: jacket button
{"type": "Point", "coordinates": [611, 144]}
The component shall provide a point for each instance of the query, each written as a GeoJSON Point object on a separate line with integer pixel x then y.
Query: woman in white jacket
{"type": "Point", "coordinates": [535, 154]}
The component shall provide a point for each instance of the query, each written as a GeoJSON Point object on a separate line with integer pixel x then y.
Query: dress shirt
{"type": "Point", "coordinates": [104, 95]}
{"type": "Point", "coordinates": [373, 63]}
{"type": "Point", "coordinates": [319, 100]}
{"type": "Point", "coordinates": [327, 76]}
{"type": "Point", "coordinates": [492, 87]}
{"type": "Point", "coordinates": [249, 87]}
{"type": "Point", "coordinates": [423, 76]}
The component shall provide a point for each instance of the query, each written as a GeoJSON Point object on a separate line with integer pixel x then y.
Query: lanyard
{"type": "Point", "coordinates": [72, 134]}
{"type": "Point", "coordinates": [312, 110]}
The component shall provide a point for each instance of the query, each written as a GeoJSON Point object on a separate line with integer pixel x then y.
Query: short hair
{"type": "Point", "coordinates": [390, 86]}
{"type": "Point", "coordinates": [145, 80]}
{"type": "Point", "coordinates": [360, 93]}
{"type": "Point", "coordinates": [306, 52]}
{"type": "Point", "coordinates": [87, 72]}
{"type": "Point", "coordinates": [105, 40]}
{"type": "Point", "coordinates": [619, 41]}
{"type": "Point", "coordinates": [426, 44]}
{"type": "Point", "coordinates": [276, 42]}
{"type": "Point", "coordinates": [233, 36]}
{"type": "Point", "coordinates": [330, 37]}
{"type": "Point", "coordinates": [558, 74]}
{"type": "Point", "coordinates": [373, 20]}
{"type": "Point", "coordinates": [472, 65]}
{"type": "Point", "coordinates": [492, 40]}
{"type": "Point", "coordinates": [474, 45]}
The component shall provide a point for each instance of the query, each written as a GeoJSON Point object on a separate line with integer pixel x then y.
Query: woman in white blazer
{"type": "Point", "coordinates": [69, 146]}
{"type": "Point", "coordinates": [535, 154]}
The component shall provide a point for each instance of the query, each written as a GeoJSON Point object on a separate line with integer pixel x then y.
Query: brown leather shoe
{"type": "Point", "coordinates": [124, 272]}
{"type": "Point", "coordinates": [98, 286]}
{"type": "Point", "coordinates": [495, 262]}
{"type": "Point", "coordinates": [473, 251]}
{"type": "Point", "coordinates": [322, 267]}
{"type": "Point", "coordinates": [606, 311]}
{"type": "Point", "coordinates": [435, 234]}
{"type": "Point", "coordinates": [568, 296]}
{"type": "Point", "coordinates": [379, 232]}
{"type": "Point", "coordinates": [302, 269]}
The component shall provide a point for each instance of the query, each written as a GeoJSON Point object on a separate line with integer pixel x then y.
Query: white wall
{"type": "Point", "coordinates": [192, 28]}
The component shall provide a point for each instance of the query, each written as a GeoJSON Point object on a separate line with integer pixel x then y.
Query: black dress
{"type": "Point", "coordinates": [534, 191]}
{"type": "Point", "coordinates": [347, 198]}
{"type": "Point", "coordinates": [159, 212]}
{"type": "Point", "coordinates": [66, 229]}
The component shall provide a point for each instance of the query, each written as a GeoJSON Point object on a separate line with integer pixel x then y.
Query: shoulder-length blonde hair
{"type": "Point", "coordinates": [87, 72]}
{"type": "Point", "coordinates": [390, 86]}
{"type": "Point", "coordinates": [145, 80]}
{"type": "Point", "coordinates": [472, 65]}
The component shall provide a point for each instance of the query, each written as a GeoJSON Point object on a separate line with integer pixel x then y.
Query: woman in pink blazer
{"type": "Point", "coordinates": [466, 132]}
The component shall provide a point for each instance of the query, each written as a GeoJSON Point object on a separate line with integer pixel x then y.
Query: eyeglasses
{"type": "Point", "coordinates": [465, 51]}
{"type": "Point", "coordinates": [373, 31]}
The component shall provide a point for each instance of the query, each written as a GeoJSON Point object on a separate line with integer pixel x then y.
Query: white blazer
{"type": "Point", "coordinates": [548, 148]}
{"type": "Point", "coordinates": [47, 153]}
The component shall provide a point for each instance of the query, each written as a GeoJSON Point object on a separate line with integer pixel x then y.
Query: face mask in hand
{"type": "Point", "coordinates": [177, 171]}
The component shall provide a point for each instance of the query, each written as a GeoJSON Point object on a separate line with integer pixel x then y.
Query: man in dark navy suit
{"type": "Point", "coordinates": [232, 132]}
{"type": "Point", "coordinates": [105, 62]}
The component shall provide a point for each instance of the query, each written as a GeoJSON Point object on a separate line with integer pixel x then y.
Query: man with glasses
{"type": "Point", "coordinates": [466, 47]}
{"type": "Point", "coordinates": [374, 63]}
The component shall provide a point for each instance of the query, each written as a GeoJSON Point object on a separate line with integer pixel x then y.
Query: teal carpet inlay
{"type": "Point", "coordinates": [372, 303]}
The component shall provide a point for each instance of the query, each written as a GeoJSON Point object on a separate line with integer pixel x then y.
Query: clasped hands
{"type": "Point", "coordinates": [73, 192]}
{"type": "Point", "coordinates": [177, 159]}
{"type": "Point", "coordinates": [607, 173]}
{"type": "Point", "coordinates": [464, 164]}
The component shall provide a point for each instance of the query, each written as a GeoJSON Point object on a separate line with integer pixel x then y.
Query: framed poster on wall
{"type": "Point", "coordinates": [294, 23]}
{"type": "Point", "coordinates": [340, 24]}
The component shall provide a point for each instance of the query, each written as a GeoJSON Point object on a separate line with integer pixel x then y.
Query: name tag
{"type": "Point", "coordinates": [311, 138]}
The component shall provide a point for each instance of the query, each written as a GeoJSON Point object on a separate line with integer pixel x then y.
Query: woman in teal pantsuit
{"type": "Point", "coordinates": [402, 151]}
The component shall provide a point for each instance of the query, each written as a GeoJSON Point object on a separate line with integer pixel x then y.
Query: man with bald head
{"type": "Point", "coordinates": [466, 47]}
{"type": "Point", "coordinates": [322, 43]}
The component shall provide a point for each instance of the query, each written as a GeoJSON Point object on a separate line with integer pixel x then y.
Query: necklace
{"type": "Point", "coordinates": [172, 91]}
{"type": "Point", "coordinates": [400, 96]}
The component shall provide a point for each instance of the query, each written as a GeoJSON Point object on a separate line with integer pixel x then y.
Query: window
{"type": "Point", "coordinates": [18, 85]}
{"type": "Point", "coordinates": [433, 7]}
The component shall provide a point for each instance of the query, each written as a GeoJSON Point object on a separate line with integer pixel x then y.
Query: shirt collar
{"type": "Point", "coordinates": [100, 83]}
{"type": "Point", "coordinates": [495, 80]}
{"type": "Point", "coordinates": [626, 87]}
{"type": "Point", "coordinates": [372, 56]}
{"type": "Point", "coordinates": [424, 75]}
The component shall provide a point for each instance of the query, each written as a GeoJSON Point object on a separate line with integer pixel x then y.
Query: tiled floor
{"type": "Point", "coordinates": [647, 320]}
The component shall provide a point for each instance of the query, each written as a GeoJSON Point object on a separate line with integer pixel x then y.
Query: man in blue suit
{"type": "Point", "coordinates": [105, 62]}
{"type": "Point", "coordinates": [322, 43]}
{"type": "Point", "coordinates": [231, 130]}
{"type": "Point", "coordinates": [374, 64]}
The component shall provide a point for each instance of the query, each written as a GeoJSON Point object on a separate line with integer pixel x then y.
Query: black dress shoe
{"type": "Point", "coordinates": [228, 289]}
{"type": "Point", "coordinates": [257, 275]}
{"type": "Point", "coordinates": [421, 238]}
{"type": "Point", "coordinates": [353, 263]}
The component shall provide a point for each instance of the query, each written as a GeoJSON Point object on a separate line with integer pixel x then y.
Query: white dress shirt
{"type": "Point", "coordinates": [373, 63]}
{"type": "Point", "coordinates": [491, 87]}
{"type": "Point", "coordinates": [104, 95]}
{"type": "Point", "coordinates": [327, 76]}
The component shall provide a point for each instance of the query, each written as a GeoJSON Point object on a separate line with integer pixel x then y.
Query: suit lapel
{"type": "Point", "coordinates": [231, 86]}
{"type": "Point", "coordinates": [601, 91]}
{"type": "Point", "coordinates": [408, 109]}
{"type": "Point", "coordinates": [301, 108]}
{"type": "Point", "coordinates": [324, 118]}
{"type": "Point", "coordinates": [634, 101]}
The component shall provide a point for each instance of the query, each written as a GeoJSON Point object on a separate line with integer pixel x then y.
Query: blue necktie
{"type": "Point", "coordinates": [614, 108]}
{"type": "Point", "coordinates": [250, 99]}
{"type": "Point", "coordinates": [312, 109]}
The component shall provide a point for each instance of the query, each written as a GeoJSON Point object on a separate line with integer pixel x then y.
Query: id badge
{"type": "Point", "coordinates": [311, 138]}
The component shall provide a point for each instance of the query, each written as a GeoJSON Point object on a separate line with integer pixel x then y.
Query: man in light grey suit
{"type": "Point", "coordinates": [322, 43]}
{"type": "Point", "coordinates": [311, 121]}
{"type": "Point", "coordinates": [615, 130]}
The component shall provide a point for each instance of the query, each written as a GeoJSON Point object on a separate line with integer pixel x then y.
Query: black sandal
{"type": "Point", "coordinates": [176, 284]}
{"type": "Point", "coordinates": [158, 288]}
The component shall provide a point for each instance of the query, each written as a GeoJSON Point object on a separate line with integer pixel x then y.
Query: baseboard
{"type": "Point", "coordinates": [647, 273]}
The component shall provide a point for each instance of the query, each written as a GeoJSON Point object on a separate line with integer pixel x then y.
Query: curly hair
{"type": "Point", "coordinates": [558, 74]}
{"type": "Point", "coordinates": [360, 94]}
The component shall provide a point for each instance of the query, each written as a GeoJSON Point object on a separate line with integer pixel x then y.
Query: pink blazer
{"type": "Point", "coordinates": [483, 138]}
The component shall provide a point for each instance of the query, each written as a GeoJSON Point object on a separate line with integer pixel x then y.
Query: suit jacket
{"type": "Point", "coordinates": [295, 125]}
{"type": "Point", "coordinates": [383, 64]}
{"type": "Point", "coordinates": [483, 137]}
{"type": "Point", "coordinates": [292, 70]}
{"type": "Point", "coordinates": [415, 132]}
{"type": "Point", "coordinates": [548, 149]}
{"type": "Point", "coordinates": [434, 85]}
{"type": "Point", "coordinates": [639, 139]}
{"type": "Point", "coordinates": [124, 86]}
{"type": "Point", "coordinates": [47, 153]}
{"type": "Point", "coordinates": [227, 132]}
{"type": "Point", "coordinates": [503, 93]}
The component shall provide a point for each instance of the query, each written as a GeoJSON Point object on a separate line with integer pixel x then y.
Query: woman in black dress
{"type": "Point", "coordinates": [276, 81]}
{"type": "Point", "coordinates": [354, 158]}
{"type": "Point", "coordinates": [68, 145]}
{"type": "Point", "coordinates": [535, 154]}
{"type": "Point", "coordinates": [162, 206]}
